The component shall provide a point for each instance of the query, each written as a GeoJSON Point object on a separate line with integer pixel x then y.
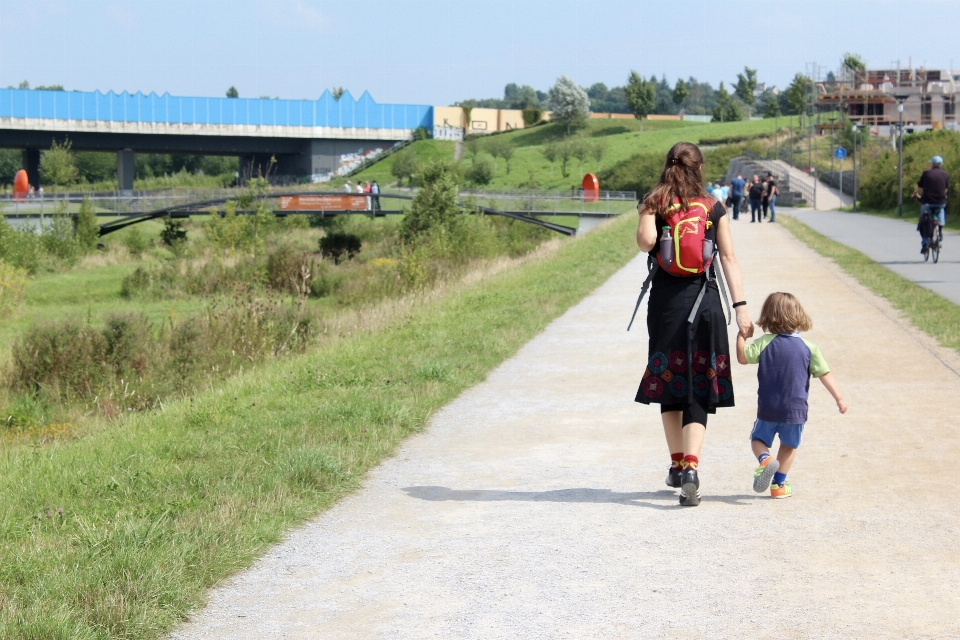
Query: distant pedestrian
{"type": "Point", "coordinates": [786, 363]}
{"type": "Point", "coordinates": [756, 197]}
{"type": "Point", "coordinates": [375, 193]}
{"type": "Point", "coordinates": [724, 191]}
{"type": "Point", "coordinates": [736, 195]}
{"type": "Point", "coordinates": [348, 187]}
{"type": "Point", "coordinates": [772, 192]}
{"type": "Point", "coordinates": [366, 190]}
{"type": "Point", "coordinates": [935, 182]}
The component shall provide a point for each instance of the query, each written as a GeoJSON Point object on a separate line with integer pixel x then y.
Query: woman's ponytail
{"type": "Point", "coordinates": [681, 179]}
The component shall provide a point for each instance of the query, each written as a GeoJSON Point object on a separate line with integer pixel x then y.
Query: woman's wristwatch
{"type": "Point", "coordinates": [739, 304]}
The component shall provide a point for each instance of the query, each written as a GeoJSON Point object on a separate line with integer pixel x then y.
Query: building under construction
{"type": "Point", "coordinates": [870, 97]}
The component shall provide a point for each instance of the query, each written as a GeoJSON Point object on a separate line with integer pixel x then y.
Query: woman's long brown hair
{"type": "Point", "coordinates": [680, 179]}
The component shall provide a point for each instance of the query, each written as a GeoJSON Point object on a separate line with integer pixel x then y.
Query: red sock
{"type": "Point", "coordinates": [690, 462]}
{"type": "Point", "coordinates": [676, 460]}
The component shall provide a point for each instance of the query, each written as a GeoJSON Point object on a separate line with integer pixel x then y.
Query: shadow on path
{"type": "Point", "coordinates": [666, 498]}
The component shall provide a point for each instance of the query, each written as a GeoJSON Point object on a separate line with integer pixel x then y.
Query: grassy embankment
{"type": "Point", "coordinates": [622, 139]}
{"type": "Point", "coordinates": [117, 534]}
{"type": "Point", "coordinates": [928, 311]}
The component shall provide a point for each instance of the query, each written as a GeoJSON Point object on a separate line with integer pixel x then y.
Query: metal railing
{"type": "Point", "coordinates": [752, 162]}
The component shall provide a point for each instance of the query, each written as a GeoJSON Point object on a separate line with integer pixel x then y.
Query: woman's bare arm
{"type": "Point", "coordinates": [647, 229]}
{"type": "Point", "coordinates": [732, 272]}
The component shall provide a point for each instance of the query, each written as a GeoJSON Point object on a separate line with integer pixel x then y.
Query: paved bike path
{"type": "Point", "coordinates": [893, 243]}
{"type": "Point", "coordinates": [534, 505]}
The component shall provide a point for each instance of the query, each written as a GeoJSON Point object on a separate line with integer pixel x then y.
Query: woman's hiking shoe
{"type": "Point", "coordinates": [781, 490]}
{"type": "Point", "coordinates": [675, 477]}
{"type": "Point", "coordinates": [690, 488]}
{"type": "Point", "coordinates": [763, 474]}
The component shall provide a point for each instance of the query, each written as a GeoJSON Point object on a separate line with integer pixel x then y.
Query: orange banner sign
{"type": "Point", "coordinates": [323, 203]}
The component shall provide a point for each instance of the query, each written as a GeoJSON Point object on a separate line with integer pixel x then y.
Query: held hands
{"type": "Point", "coordinates": [744, 322]}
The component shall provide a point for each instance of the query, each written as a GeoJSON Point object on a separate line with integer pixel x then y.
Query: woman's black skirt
{"type": "Point", "coordinates": [686, 363]}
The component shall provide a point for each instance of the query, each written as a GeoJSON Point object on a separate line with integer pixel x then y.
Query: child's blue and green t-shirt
{"type": "Point", "coordinates": [786, 363]}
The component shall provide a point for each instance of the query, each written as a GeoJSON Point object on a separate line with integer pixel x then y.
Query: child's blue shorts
{"type": "Point", "coordinates": [789, 433]}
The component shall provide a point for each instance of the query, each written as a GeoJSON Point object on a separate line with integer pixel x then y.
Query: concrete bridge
{"type": "Point", "coordinates": [307, 137]}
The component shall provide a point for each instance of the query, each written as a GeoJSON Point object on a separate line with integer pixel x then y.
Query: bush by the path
{"type": "Point", "coordinates": [878, 182]}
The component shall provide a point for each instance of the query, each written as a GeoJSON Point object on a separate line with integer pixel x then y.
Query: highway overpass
{"type": "Point", "coordinates": [307, 137]}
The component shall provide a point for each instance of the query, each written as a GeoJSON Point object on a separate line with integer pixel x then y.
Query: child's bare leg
{"type": "Point", "coordinates": [758, 448]}
{"type": "Point", "coordinates": [785, 457]}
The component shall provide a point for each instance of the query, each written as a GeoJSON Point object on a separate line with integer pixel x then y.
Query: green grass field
{"type": "Point", "coordinates": [117, 533]}
{"type": "Point", "coordinates": [623, 139]}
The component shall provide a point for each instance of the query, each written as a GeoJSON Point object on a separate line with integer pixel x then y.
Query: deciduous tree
{"type": "Point", "coordinates": [569, 103]}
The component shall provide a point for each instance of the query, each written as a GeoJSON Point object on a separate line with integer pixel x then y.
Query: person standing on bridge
{"type": "Point", "coordinates": [935, 182]}
{"type": "Point", "coordinates": [736, 194]}
{"type": "Point", "coordinates": [348, 187]}
{"type": "Point", "coordinates": [375, 195]}
{"type": "Point", "coordinates": [688, 361]}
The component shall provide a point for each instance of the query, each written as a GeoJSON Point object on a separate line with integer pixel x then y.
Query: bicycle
{"type": "Point", "coordinates": [933, 247]}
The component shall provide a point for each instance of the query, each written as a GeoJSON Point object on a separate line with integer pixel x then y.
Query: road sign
{"type": "Point", "coordinates": [840, 153]}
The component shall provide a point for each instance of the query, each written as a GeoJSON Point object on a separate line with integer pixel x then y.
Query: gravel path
{"type": "Point", "coordinates": [534, 506]}
{"type": "Point", "coordinates": [894, 244]}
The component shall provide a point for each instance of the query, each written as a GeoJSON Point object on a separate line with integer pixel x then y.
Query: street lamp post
{"type": "Point", "coordinates": [900, 159]}
{"type": "Point", "coordinates": [854, 130]}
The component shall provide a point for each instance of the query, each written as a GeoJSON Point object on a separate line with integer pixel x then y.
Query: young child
{"type": "Point", "coordinates": [786, 363]}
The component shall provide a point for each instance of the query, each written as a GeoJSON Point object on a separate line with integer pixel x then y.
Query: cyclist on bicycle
{"type": "Point", "coordinates": [934, 182]}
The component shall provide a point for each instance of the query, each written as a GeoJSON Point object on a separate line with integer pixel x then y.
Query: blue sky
{"type": "Point", "coordinates": [437, 52]}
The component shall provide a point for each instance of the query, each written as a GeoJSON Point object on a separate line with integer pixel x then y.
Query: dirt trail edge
{"type": "Point", "coordinates": [534, 506]}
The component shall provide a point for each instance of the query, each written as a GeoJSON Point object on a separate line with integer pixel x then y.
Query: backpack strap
{"type": "Point", "coordinates": [652, 267]}
{"type": "Point", "coordinates": [721, 279]}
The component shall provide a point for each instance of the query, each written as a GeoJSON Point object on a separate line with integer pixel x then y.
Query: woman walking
{"type": "Point", "coordinates": [688, 365]}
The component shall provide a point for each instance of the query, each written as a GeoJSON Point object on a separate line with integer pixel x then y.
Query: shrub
{"type": "Point", "coordinates": [179, 278]}
{"type": "Point", "coordinates": [230, 232]}
{"type": "Point", "coordinates": [173, 234]}
{"type": "Point", "coordinates": [58, 239]}
{"type": "Point", "coordinates": [64, 359]}
{"type": "Point", "coordinates": [289, 269]}
{"type": "Point", "coordinates": [57, 165]}
{"type": "Point", "coordinates": [13, 282]}
{"type": "Point", "coordinates": [339, 244]}
{"type": "Point", "coordinates": [19, 248]}
{"type": "Point", "coordinates": [135, 242]}
{"type": "Point", "coordinates": [480, 172]}
{"type": "Point", "coordinates": [435, 205]}
{"type": "Point", "coordinates": [405, 165]}
{"type": "Point", "coordinates": [88, 229]}
{"type": "Point", "coordinates": [327, 280]}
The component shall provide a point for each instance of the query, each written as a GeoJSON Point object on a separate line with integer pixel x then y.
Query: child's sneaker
{"type": "Point", "coordinates": [781, 490]}
{"type": "Point", "coordinates": [763, 474]}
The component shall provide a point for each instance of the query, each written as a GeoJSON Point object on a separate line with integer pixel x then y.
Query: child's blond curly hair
{"type": "Point", "coordinates": [782, 313]}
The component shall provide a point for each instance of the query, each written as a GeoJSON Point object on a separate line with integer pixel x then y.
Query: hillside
{"type": "Point", "coordinates": [622, 139]}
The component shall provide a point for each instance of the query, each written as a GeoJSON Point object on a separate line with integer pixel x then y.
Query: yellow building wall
{"type": "Point", "coordinates": [449, 117]}
{"type": "Point", "coordinates": [483, 120]}
{"type": "Point", "coordinates": [510, 119]}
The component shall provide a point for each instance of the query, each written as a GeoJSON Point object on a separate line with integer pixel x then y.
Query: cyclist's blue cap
{"type": "Point", "coordinates": [937, 160]}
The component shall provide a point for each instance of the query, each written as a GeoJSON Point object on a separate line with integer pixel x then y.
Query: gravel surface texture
{"type": "Point", "coordinates": [534, 505]}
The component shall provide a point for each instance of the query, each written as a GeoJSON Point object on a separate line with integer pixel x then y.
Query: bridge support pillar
{"type": "Point", "coordinates": [31, 164]}
{"type": "Point", "coordinates": [125, 169]}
